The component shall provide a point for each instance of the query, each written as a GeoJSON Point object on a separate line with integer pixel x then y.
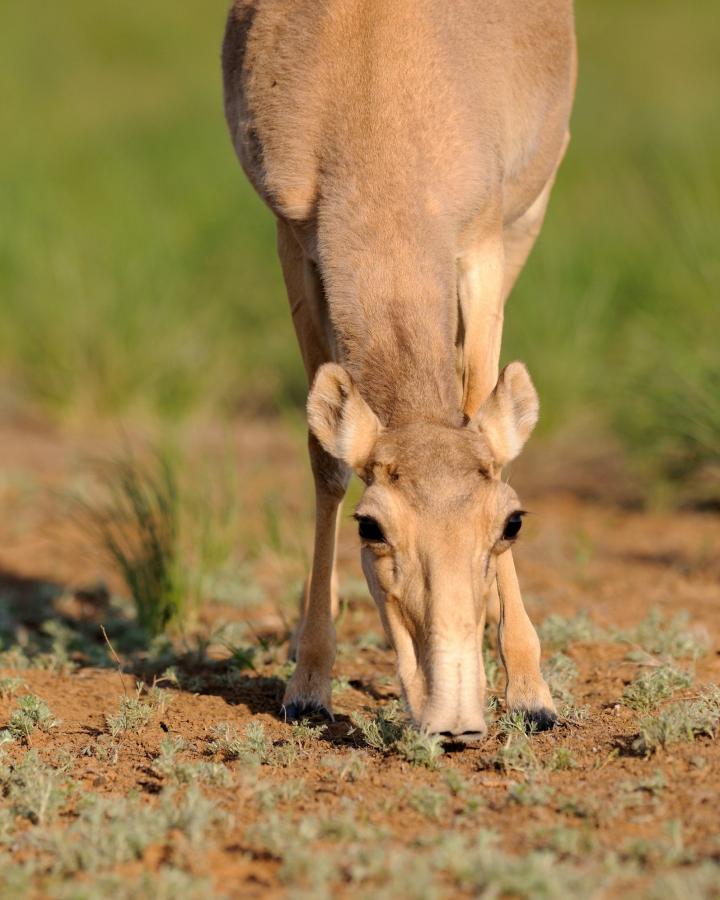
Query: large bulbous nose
{"type": "Point", "coordinates": [456, 695]}
{"type": "Point", "coordinates": [470, 731]}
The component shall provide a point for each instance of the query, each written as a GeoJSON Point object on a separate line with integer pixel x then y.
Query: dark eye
{"type": "Point", "coordinates": [513, 526]}
{"type": "Point", "coordinates": [369, 530]}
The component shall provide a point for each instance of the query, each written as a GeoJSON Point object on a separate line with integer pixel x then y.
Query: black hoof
{"type": "Point", "coordinates": [298, 710]}
{"type": "Point", "coordinates": [539, 719]}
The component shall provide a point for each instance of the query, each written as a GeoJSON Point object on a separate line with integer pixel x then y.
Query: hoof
{"type": "Point", "coordinates": [539, 719]}
{"type": "Point", "coordinates": [299, 710]}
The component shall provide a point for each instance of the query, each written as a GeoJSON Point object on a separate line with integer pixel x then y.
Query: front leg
{"type": "Point", "coordinates": [526, 691]}
{"type": "Point", "coordinates": [485, 276]}
{"type": "Point", "coordinates": [313, 644]}
{"type": "Point", "coordinates": [309, 690]}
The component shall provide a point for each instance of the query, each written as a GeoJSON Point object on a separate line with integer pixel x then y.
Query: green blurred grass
{"type": "Point", "coordinates": [137, 267]}
{"type": "Point", "coordinates": [138, 271]}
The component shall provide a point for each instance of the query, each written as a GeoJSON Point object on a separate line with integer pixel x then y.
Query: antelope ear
{"type": "Point", "coordinates": [340, 418]}
{"type": "Point", "coordinates": [509, 414]}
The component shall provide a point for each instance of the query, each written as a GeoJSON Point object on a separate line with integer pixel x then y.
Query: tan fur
{"type": "Point", "coordinates": [407, 149]}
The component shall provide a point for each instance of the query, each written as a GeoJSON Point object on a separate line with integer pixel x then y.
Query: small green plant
{"type": "Point", "coordinates": [566, 842]}
{"type": "Point", "coordinates": [191, 813]}
{"type": "Point", "coordinates": [560, 672]}
{"type": "Point", "coordinates": [669, 639]}
{"type": "Point", "coordinates": [685, 720]}
{"type": "Point", "coordinates": [16, 658]}
{"type": "Point", "coordinates": [253, 748]}
{"type": "Point", "coordinates": [340, 684]}
{"type": "Point", "coordinates": [516, 755]}
{"type": "Point", "coordinates": [57, 657]}
{"type": "Point", "coordinates": [165, 883]}
{"type": "Point", "coordinates": [574, 715]}
{"type": "Point", "coordinates": [562, 759]}
{"type": "Point", "coordinates": [138, 527]}
{"type": "Point", "coordinates": [579, 807]}
{"type": "Point", "coordinates": [419, 748]}
{"type": "Point", "coordinates": [31, 713]}
{"type": "Point", "coordinates": [304, 735]}
{"type": "Point", "coordinates": [652, 786]}
{"type": "Point", "coordinates": [515, 722]}
{"type": "Point", "coordinates": [9, 686]}
{"type": "Point", "coordinates": [242, 658]}
{"type": "Point", "coordinates": [528, 793]}
{"type": "Point", "coordinates": [111, 831]}
{"type": "Point", "coordinates": [557, 631]}
{"type": "Point", "coordinates": [456, 783]}
{"type": "Point", "coordinates": [267, 796]}
{"type": "Point", "coordinates": [35, 790]}
{"type": "Point", "coordinates": [387, 732]}
{"type": "Point", "coordinates": [428, 803]}
{"type": "Point", "coordinates": [165, 542]}
{"type": "Point", "coordinates": [167, 765]}
{"type": "Point", "coordinates": [671, 849]}
{"type": "Point", "coordinates": [382, 730]}
{"type": "Point", "coordinates": [654, 686]}
{"type": "Point", "coordinates": [347, 768]}
{"type": "Point", "coordinates": [135, 711]}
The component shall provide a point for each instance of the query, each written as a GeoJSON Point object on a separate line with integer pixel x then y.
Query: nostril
{"type": "Point", "coordinates": [463, 737]}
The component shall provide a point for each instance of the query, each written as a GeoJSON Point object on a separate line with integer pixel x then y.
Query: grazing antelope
{"type": "Point", "coordinates": [407, 149]}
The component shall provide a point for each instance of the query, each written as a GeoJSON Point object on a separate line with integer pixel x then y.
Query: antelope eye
{"type": "Point", "coordinates": [369, 530]}
{"type": "Point", "coordinates": [512, 526]}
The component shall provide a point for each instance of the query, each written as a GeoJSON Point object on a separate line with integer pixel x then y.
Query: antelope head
{"type": "Point", "coordinates": [432, 520]}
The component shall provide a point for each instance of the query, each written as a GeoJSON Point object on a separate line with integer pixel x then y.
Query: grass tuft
{"type": "Point", "coordinates": [562, 759]}
{"type": "Point", "coordinates": [566, 842]}
{"type": "Point", "coordinates": [32, 713]}
{"type": "Point", "coordinates": [254, 748]}
{"type": "Point", "coordinates": [137, 526]}
{"type": "Point", "coordinates": [685, 720]}
{"type": "Point", "coordinates": [429, 803]}
{"type": "Point", "coordinates": [35, 790]}
{"type": "Point", "coordinates": [167, 766]}
{"type": "Point", "coordinates": [267, 796]}
{"type": "Point", "coordinates": [667, 639]}
{"type": "Point", "coordinates": [251, 749]}
{"type": "Point", "coordinates": [387, 731]}
{"type": "Point", "coordinates": [516, 754]}
{"type": "Point", "coordinates": [347, 768]}
{"type": "Point", "coordinates": [135, 712]}
{"type": "Point", "coordinates": [560, 672]}
{"type": "Point", "coordinates": [652, 687]}
{"type": "Point", "coordinates": [112, 831]}
{"type": "Point", "coordinates": [9, 686]}
{"type": "Point", "coordinates": [558, 632]}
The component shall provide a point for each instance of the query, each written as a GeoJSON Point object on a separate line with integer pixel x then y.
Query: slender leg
{"type": "Point", "coordinates": [526, 690]}
{"type": "Point", "coordinates": [309, 689]}
{"type": "Point", "coordinates": [482, 284]}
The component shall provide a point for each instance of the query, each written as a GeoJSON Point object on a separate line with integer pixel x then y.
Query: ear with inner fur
{"type": "Point", "coordinates": [340, 418]}
{"type": "Point", "coordinates": [509, 414]}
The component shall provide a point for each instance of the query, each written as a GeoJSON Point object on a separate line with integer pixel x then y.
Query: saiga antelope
{"type": "Point", "coordinates": [407, 149]}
